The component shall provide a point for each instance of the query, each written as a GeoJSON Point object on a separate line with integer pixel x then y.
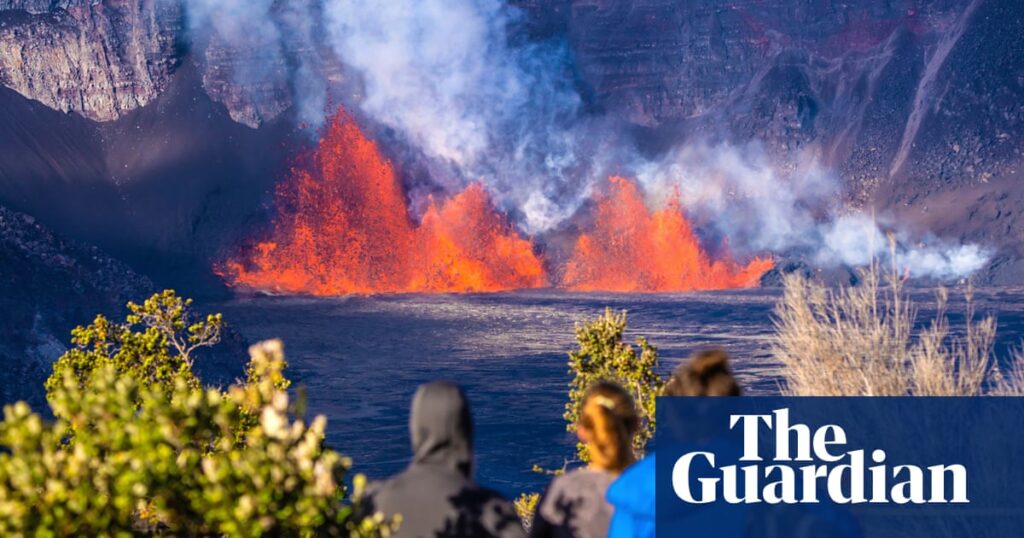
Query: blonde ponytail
{"type": "Point", "coordinates": [610, 420]}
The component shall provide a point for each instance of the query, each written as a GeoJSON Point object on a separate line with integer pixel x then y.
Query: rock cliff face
{"type": "Point", "coordinates": [274, 57]}
{"type": "Point", "coordinates": [100, 59]}
{"type": "Point", "coordinates": [880, 88]}
{"type": "Point", "coordinates": [103, 59]}
{"type": "Point", "coordinates": [859, 79]}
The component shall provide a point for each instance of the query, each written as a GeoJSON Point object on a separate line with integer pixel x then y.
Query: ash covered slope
{"type": "Point", "coordinates": [48, 286]}
{"type": "Point", "coordinates": [165, 188]}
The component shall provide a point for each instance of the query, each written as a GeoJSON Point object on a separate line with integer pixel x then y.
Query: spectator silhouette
{"type": "Point", "coordinates": [436, 495]}
{"type": "Point", "coordinates": [574, 504]}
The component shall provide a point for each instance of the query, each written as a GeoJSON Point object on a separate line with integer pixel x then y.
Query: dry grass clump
{"type": "Point", "coordinates": [1011, 381]}
{"type": "Point", "coordinates": [860, 341]}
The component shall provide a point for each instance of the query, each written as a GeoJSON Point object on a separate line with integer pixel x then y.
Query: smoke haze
{"type": "Point", "coordinates": [443, 74]}
{"type": "Point", "coordinates": [738, 192]}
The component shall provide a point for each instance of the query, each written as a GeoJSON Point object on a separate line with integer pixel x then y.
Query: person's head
{"type": "Point", "coordinates": [706, 374]}
{"type": "Point", "coordinates": [608, 421]}
{"type": "Point", "coordinates": [441, 427]}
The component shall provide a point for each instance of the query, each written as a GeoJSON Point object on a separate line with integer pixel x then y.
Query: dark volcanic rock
{"type": "Point", "coordinates": [48, 286]}
{"type": "Point", "coordinates": [838, 276]}
{"type": "Point", "coordinates": [166, 188]}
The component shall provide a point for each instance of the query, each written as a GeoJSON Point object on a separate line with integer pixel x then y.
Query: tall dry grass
{"type": "Point", "coordinates": [861, 341]}
{"type": "Point", "coordinates": [1010, 382]}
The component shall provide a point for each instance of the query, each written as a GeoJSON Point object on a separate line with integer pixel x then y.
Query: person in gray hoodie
{"type": "Point", "coordinates": [436, 495]}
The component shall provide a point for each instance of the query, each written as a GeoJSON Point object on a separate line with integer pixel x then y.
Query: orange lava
{"type": "Point", "coordinates": [343, 228]}
{"type": "Point", "coordinates": [633, 249]}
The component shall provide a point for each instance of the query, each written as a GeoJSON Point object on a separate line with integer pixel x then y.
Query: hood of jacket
{"type": "Point", "coordinates": [441, 428]}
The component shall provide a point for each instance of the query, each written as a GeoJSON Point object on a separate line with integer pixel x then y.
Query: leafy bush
{"type": "Point", "coordinates": [604, 355]}
{"type": "Point", "coordinates": [155, 344]}
{"type": "Point", "coordinates": [526, 506]}
{"type": "Point", "coordinates": [154, 453]}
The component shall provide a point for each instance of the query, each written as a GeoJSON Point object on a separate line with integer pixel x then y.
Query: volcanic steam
{"type": "Point", "coordinates": [343, 227]}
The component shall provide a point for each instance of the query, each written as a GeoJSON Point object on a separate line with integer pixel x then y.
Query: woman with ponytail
{"type": "Point", "coordinates": [574, 505]}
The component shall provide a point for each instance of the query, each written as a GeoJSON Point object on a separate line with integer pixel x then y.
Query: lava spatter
{"type": "Point", "coordinates": [633, 249]}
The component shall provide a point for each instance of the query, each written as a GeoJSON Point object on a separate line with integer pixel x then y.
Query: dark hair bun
{"type": "Point", "coordinates": [706, 374]}
{"type": "Point", "coordinates": [709, 363]}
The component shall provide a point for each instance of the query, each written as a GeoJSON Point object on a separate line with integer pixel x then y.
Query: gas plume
{"type": "Point", "coordinates": [275, 51]}
{"type": "Point", "coordinates": [739, 194]}
{"type": "Point", "coordinates": [444, 75]}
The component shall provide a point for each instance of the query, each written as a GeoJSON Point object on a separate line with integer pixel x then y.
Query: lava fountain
{"type": "Point", "coordinates": [631, 248]}
{"type": "Point", "coordinates": [343, 227]}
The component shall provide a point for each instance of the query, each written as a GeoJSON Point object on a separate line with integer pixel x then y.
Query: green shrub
{"type": "Point", "coordinates": [603, 355]}
{"type": "Point", "coordinates": [153, 453]}
{"type": "Point", "coordinates": [526, 506]}
{"type": "Point", "coordinates": [155, 344]}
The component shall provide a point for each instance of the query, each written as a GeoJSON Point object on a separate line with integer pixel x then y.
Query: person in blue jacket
{"type": "Point", "coordinates": [632, 494]}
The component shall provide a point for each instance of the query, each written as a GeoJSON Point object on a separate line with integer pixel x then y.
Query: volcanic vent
{"type": "Point", "coordinates": [343, 227]}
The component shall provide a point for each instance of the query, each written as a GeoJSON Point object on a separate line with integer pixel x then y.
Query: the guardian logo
{"type": "Point", "coordinates": [809, 466]}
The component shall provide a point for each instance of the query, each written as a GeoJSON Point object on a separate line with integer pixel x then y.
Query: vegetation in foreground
{"type": "Point", "coordinates": [849, 341]}
{"type": "Point", "coordinates": [864, 340]}
{"type": "Point", "coordinates": [139, 447]}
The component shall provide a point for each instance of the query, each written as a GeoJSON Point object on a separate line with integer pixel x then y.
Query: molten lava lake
{"type": "Point", "coordinates": [359, 360]}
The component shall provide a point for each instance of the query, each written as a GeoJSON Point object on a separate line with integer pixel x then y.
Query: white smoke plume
{"type": "Point", "coordinates": [274, 50]}
{"type": "Point", "coordinates": [739, 193]}
{"type": "Point", "coordinates": [443, 73]}
{"type": "Point", "coordinates": [856, 240]}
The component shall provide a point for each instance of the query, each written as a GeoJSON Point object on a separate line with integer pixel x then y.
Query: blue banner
{"type": "Point", "coordinates": [839, 467]}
